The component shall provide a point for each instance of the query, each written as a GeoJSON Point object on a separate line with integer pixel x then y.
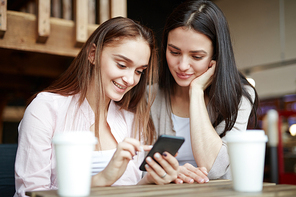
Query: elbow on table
{"type": "Point", "coordinates": [221, 166]}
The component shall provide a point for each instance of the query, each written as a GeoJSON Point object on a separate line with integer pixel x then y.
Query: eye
{"type": "Point", "coordinates": [174, 53]}
{"type": "Point", "coordinates": [139, 72]}
{"type": "Point", "coordinates": [197, 57]}
{"type": "Point", "coordinates": [121, 65]}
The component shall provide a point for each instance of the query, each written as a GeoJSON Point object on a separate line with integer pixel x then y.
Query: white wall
{"type": "Point", "coordinates": [260, 37]}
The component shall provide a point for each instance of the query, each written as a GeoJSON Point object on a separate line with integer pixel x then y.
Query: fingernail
{"type": "Point", "coordinates": [180, 182]}
{"type": "Point", "coordinates": [150, 146]}
{"type": "Point", "coordinates": [146, 166]}
{"type": "Point", "coordinates": [164, 154]}
{"type": "Point", "coordinates": [149, 159]}
{"type": "Point", "coordinates": [157, 155]}
{"type": "Point", "coordinates": [201, 180]}
{"type": "Point", "coordinates": [207, 180]}
{"type": "Point", "coordinates": [136, 153]}
{"type": "Point", "coordinates": [191, 181]}
{"type": "Point", "coordinates": [205, 172]}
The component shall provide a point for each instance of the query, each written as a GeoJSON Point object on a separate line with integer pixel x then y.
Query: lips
{"type": "Point", "coordinates": [119, 86]}
{"type": "Point", "coordinates": [183, 75]}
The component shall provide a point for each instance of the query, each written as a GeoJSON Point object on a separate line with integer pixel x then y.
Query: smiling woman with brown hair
{"type": "Point", "coordinates": [102, 91]}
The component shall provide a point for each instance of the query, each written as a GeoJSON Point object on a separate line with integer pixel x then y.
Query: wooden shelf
{"type": "Point", "coordinates": [21, 35]}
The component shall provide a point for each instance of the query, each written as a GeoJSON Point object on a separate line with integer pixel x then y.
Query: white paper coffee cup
{"type": "Point", "coordinates": [247, 154]}
{"type": "Point", "coordinates": [73, 152]}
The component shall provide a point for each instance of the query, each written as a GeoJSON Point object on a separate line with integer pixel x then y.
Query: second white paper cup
{"type": "Point", "coordinates": [74, 156]}
{"type": "Point", "coordinates": [247, 154]}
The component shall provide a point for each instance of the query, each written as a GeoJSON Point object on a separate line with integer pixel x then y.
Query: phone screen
{"type": "Point", "coordinates": [164, 143]}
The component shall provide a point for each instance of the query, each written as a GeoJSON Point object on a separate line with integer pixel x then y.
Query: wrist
{"type": "Point", "coordinates": [100, 180]}
{"type": "Point", "coordinates": [196, 91]}
{"type": "Point", "coordinates": [144, 180]}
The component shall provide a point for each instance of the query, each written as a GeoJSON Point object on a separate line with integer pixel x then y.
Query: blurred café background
{"type": "Point", "coordinates": [40, 38]}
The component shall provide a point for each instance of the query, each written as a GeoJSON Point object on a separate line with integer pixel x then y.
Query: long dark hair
{"type": "Point", "coordinates": [77, 78]}
{"type": "Point", "coordinates": [227, 87]}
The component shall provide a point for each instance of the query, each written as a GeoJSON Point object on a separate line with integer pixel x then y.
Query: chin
{"type": "Point", "coordinates": [183, 83]}
{"type": "Point", "coordinates": [117, 98]}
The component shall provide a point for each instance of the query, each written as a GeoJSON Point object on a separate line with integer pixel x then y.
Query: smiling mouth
{"type": "Point", "coordinates": [181, 75]}
{"type": "Point", "coordinates": [119, 86]}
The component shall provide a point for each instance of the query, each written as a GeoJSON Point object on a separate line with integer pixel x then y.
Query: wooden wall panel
{"type": "Point", "coordinates": [3, 17]}
{"type": "Point", "coordinates": [43, 22]}
{"type": "Point", "coordinates": [67, 9]}
{"type": "Point", "coordinates": [56, 8]}
{"type": "Point", "coordinates": [104, 9]}
{"type": "Point", "coordinates": [92, 11]}
{"type": "Point", "coordinates": [118, 8]}
{"type": "Point", "coordinates": [13, 114]}
{"type": "Point", "coordinates": [81, 22]}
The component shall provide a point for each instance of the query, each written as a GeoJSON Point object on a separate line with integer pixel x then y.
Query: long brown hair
{"type": "Point", "coordinates": [227, 87]}
{"type": "Point", "coordinates": [77, 78]}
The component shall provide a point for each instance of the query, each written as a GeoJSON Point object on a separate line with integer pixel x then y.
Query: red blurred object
{"type": "Point", "coordinates": [285, 156]}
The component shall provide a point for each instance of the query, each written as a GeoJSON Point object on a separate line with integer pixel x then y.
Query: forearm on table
{"type": "Point", "coordinates": [100, 180]}
{"type": "Point", "coordinates": [221, 165]}
{"type": "Point", "coordinates": [205, 141]}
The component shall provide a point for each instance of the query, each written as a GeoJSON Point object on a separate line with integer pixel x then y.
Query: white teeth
{"type": "Point", "coordinates": [119, 86]}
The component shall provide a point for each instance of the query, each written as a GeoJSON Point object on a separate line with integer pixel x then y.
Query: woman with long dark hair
{"type": "Point", "coordinates": [201, 94]}
{"type": "Point", "coordinates": [103, 91]}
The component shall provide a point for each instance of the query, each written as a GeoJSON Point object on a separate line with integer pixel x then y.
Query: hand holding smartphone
{"type": "Point", "coordinates": [168, 143]}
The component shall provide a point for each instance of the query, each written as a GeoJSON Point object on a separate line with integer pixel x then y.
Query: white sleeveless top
{"type": "Point", "coordinates": [132, 174]}
{"type": "Point", "coordinates": [100, 160]}
{"type": "Point", "coordinates": [182, 128]}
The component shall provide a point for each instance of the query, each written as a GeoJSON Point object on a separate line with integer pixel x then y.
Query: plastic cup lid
{"type": "Point", "coordinates": [75, 137]}
{"type": "Point", "coordinates": [246, 136]}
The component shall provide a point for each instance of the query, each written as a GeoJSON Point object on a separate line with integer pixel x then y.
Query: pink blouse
{"type": "Point", "coordinates": [48, 114]}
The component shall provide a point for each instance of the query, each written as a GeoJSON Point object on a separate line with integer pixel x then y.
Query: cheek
{"type": "Point", "coordinates": [201, 67]}
{"type": "Point", "coordinates": [109, 74]}
{"type": "Point", "coordinates": [105, 71]}
{"type": "Point", "coordinates": [105, 74]}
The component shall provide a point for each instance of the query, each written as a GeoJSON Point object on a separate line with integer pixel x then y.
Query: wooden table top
{"type": "Point", "coordinates": [212, 188]}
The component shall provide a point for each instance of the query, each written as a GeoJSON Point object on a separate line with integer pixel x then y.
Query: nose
{"type": "Point", "coordinates": [184, 63]}
{"type": "Point", "coordinates": [129, 79]}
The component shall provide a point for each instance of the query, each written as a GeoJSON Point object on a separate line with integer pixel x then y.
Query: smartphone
{"type": "Point", "coordinates": [164, 143]}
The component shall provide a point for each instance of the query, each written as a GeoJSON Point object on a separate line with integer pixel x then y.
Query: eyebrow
{"type": "Point", "coordinates": [127, 59]}
{"type": "Point", "coordinates": [123, 57]}
{"type": "Point", "coordinates": [197, 51]}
